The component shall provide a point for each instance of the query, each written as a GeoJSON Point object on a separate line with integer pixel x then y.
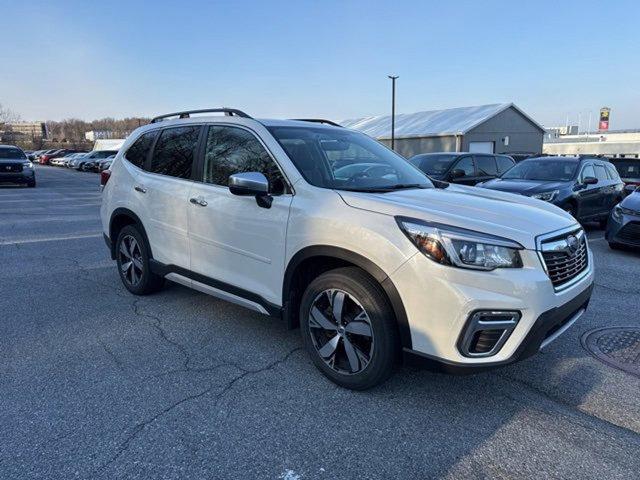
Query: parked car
{"type": "Point", "coordinates": [46, 158]}
{"type": "Point", "coordinates": [368, 266]}
{"type": "Point", "coordinates": [103, 164]}
{"type": "Point", "coordinates": [623, 228]}
{"type": "Point", "coordinates": [46, 153]}
{"type": "Point", "coordinates": [63, 161]}
{"type": "Point", "coordinates": [464, 168]}
{"type": "Point", "coordinates": [34, 155]}
{"type": "Point", "coordinates": [106, 165]}
{"type": "Point", "coordinates": [629, 171]}
{"type": "Point", "coordinates": [587, 188]}
{"type": "Point", "coordinates": [90, 158]}
{"type": "Point", "coordinates": [15, 167]}
{"type": "Point", "coordinates": [519, 156]}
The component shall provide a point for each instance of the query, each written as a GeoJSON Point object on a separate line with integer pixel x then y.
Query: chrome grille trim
{"type": "Point", "coordinates": [565, 262]}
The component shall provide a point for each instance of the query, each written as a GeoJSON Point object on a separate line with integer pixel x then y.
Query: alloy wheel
{"type": "Point", "coordinates": [341, 331]}
{"type": "Point", "coordinates": [131, 264]}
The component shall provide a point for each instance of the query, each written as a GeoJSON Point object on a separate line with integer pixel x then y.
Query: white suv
{"type": "Point", "coordinates": [333, 232]}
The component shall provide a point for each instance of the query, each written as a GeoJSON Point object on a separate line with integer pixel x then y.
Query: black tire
{"type": "Point", "coordinates": [362, 293]}
{"type": "Point", "coordinates": [602, 223]}
{"type": "Point", "coordinates": [570, 208]}
{"type": "Point", "coordinates": [139, 281]}
{"type": "Point", "coordinates": [31, 184]}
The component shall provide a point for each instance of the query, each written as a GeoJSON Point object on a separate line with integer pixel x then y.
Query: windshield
{"type": "Point", "coordinates": [544, 170]}
{"type": "Point", "coordinates": [434, 164]}
{"type": "Point", "coordinates": [347, 160]}
{"type": "Point", "coordinates": [12, 154]}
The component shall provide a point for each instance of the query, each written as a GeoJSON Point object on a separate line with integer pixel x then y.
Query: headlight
{"type": "Point", "coordinates": [618, 211]}
{"type": "Point", "coordinates": [27, 165]}
{"type": "Point", "coordinates": [460, 247]}
{"type": "Point", "coordinates": [546, 196]}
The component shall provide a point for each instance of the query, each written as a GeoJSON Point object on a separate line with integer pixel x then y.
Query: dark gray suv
{"type": "Point", "coordinates": [462, 167]}
{"type": "Point", "coordinates": [587, 188]}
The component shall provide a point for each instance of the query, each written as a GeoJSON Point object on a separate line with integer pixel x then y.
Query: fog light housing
{"type": "Point", "coordinates": [486, 332]}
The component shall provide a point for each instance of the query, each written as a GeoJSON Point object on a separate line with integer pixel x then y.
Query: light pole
{"type": "Point", "coordinates": [393, 109]}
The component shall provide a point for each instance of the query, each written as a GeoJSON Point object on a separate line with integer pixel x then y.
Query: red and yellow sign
{"type": "Point", "coordinates": [604, 118]}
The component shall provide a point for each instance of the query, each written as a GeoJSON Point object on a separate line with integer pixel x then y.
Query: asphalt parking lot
{"type": "Point", "coordinates": [97, 383]}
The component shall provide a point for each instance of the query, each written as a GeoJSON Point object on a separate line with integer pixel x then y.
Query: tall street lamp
{"type": "Point", "coordinates": [393, 109]}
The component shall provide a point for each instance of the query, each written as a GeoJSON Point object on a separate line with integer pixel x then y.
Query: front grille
{"type": "Point", "coordinates": [565, 257]}
{"type": "Point", "coordinates": [10, 167]}
{"type": "Point", "coordinates": [630, 233]}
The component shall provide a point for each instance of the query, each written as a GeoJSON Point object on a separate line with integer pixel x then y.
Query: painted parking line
{"type": "Point", "coordinates": [57, 238]}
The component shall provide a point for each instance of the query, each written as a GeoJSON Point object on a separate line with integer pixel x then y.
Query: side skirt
{"type": "Point", "coordinates": [216, 288]}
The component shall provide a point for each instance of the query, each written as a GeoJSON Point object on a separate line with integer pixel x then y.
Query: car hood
{"type": "Point", "coordinates": [523, 187]}
{"type": "Point", "coordinates": [632, 202]}
{"type": "Point", "coordinates": [515, 217]}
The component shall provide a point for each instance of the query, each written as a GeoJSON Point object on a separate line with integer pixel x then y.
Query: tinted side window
{"type": "Point", "coordinates": [504, 164]}
{"type": "Point", "coordinates": [486, 165]}
{"type": "Point", "coordinates": [466, 164]}
{"type": "Point", "coordinates": [138, 152]}
{"type": "Point", "coordinates": [174, 151]}
{"type": "Point", "coordinates": [601, 173]}
{"type": "Point", "coordinates": [232, 150]}
{"type": "Point", "coordinates": [613, 173]}
{"type": "Point", "coordinates": [587, 172]}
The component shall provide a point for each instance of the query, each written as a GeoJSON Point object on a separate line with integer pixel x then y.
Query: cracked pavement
{"type": "Point", "coordinates": [97, 383]}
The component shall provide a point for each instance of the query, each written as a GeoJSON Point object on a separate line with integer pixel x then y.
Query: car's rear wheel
{"type": "Point", "coordinates": [132, 256]}
{"type": "Point", "coordinates": [31, 184]}
{"type": "Point", "coordinates": [348, 328]}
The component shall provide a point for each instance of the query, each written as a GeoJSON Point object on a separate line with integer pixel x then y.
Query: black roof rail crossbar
{"type": "Point", "coordinates": [187, 114]}
{"type": "Point", "coordinates": [317, 120]}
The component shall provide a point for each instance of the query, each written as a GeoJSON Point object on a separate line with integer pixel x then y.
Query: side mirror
{"type": "Point", "coordinates": [251, 184]}
{"type": "Point", "coordinates": [457, 173]}
{"type": "Point", "coordinates": [589, 180]}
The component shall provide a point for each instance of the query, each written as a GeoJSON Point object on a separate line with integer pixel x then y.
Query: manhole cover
{"type": "Point", "coordinates": [615, 346]}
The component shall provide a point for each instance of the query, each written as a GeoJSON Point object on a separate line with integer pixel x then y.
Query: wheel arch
{"type": "Point", "coordinates": [311, 261]}
{"type": "Point", "coordinates": [120, 218]}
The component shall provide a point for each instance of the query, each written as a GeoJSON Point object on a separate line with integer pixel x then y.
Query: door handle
{"type": "Point", "coordinates": [140, 189]}
{"type": "Point", "coordinates": [198, 201]}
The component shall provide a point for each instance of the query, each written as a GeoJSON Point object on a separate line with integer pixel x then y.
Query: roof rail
{"type": "Point", "coordinates": [187, 113]}
{"type": "Point", "coordinates": [317, 120]}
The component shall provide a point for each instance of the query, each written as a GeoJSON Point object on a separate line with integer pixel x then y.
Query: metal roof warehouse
{"type": "Point", "coordinates": [495, 128]}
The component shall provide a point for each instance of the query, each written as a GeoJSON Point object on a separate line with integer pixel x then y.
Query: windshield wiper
{"type": "Point", "coordinates": [402, 186]}
{"type": "Point", "coordinates": [389, 188]}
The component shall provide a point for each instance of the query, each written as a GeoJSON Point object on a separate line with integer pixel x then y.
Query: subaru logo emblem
{"type": "Point", "coordinates": [572, 244]}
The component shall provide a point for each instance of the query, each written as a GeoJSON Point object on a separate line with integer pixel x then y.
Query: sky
{"type": "Point", "coordinates": [327, 59]}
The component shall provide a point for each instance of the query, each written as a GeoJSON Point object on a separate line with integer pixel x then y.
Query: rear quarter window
{"type": "Point", "coordinates": [504, 164]}
{"type": "Point", "coordinates": [139, 151]}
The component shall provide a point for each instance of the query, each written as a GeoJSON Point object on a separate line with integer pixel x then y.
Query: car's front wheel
{"type": "Point", "coordinates": [348, 328]}
{"type": "Point", "coordinates": [132, 256]}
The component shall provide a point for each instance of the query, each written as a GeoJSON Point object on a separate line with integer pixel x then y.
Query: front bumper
{"type": "Point", "coordinates": [624, 231]}
{"type": "Point", "coordinates": [547, 327]}
{"type": "Point", "coordinates": [26, 176]}
{"type": "Point", "coordinates": [439, 301]}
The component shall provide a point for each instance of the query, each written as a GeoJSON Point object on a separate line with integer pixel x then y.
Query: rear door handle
{"type": "Point", "coordinates": [140, 189]}
{"type": "Point", "coordinates": [198, 201]}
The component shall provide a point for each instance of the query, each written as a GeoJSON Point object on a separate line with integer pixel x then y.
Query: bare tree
{"type": "Point", "coordinates": [7, 115]}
